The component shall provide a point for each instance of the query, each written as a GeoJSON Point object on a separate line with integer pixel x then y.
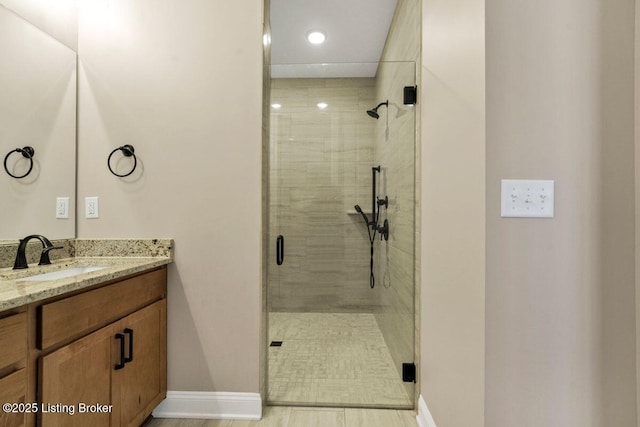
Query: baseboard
{"type": "Point", "coordinates": [424, 418]}
{"type": "Point", "coordinates": [210, 405]}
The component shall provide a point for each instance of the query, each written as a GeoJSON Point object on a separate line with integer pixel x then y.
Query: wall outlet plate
{"type": "Point", "coordinates": [62, 207]}
{"type": "Point", "coordinates": [527, 198]}
{"type": "Point", "coordinates": [91, 207]}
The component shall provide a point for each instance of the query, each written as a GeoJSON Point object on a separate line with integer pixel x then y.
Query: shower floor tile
{"type": "Point", "coordinates": [332, 359]}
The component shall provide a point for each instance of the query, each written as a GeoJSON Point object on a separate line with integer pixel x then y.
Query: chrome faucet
{"type": "Point", "coordinates": [21, 256]}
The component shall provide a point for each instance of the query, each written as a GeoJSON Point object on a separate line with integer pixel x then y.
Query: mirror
{"type": "Point", "coordinates": [37, 109]}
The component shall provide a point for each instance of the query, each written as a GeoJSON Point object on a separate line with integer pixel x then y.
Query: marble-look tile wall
{"type": "Point", "coordinates": [395, 151]}
{"type": "Point", "coordinates": [320, 163]}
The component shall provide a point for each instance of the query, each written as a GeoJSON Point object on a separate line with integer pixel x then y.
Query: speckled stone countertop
{"type": "Point", "coordinates": [121, 258]}
{"type": "Point", "coordinates": [8, 249]}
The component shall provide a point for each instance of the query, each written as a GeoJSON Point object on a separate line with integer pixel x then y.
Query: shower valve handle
{"type": "Point", "coordinates": [384, 230]}
{"type": "Point", "coordinates": [383, 202]}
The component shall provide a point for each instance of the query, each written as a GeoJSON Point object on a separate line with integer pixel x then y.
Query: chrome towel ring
{"type": "Point", "coordinates": [27, 152]}
{"type": "Point", "coordinates": [127, 151]}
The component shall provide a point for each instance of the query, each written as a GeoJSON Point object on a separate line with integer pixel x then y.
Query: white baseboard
{"type": "Point", "coordinates": [424, 418]}
{"type": "Point", "coordinates": [210, 405]}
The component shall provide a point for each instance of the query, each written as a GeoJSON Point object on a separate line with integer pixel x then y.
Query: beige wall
{"type": "Point", "coordinates": [637, 199]}
{"type": "Point", "coordinates": [560, 321]}
{"type": "Point", "coordinates": [617, 280]}
{"type": "Point", "coordinates": [38, 107]}
{"type": "Point", "coordinates": [182, 82]}
{"type": "Point", "coordinates": [320, 168]}
{"type": "Point", "coordinates": [266, 130]}
{"type": "Point", "coordinates": [452, 95]}
{"type": "Point", "coordinates": [57, 18]}
{"type": "Point", "coordinates": [560, 337]}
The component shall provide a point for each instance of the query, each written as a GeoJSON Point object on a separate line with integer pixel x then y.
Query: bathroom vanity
{"type": "Point", "coordinates": [85, 350]}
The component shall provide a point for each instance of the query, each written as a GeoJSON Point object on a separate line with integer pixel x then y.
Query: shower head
{"type": "Point", "coordinates": [374, 111]}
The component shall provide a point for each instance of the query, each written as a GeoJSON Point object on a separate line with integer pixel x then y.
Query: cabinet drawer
{"type": "Point", "coordinates": [13, 339]}
{"type": "Point", "coordinates": [13, 390]}
{"type": "Point", "coordinates": [83, 313]}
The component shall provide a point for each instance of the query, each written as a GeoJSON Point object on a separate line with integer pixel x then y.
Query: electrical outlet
{"type": "Point", "coordinates": [91, 207]}
{"type": "Point", "coordinates": [62, 207]}
{"type": "Point", "coordinates": [527, 198]}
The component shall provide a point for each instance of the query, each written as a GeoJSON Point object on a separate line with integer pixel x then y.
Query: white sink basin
{"type": "Point", "coordinates": [61, 274]}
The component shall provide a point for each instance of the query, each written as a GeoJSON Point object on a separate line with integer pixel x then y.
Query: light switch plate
{"type": "Point", "coordinates": [62, 207]}
{"type": "Point", "coordinates": [527, 198]}
{"type": "Point", "coordinates": [91, 207]}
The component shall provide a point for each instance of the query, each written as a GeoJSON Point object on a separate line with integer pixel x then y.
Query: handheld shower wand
{"type": "Point", "coordinates": [359, 210]}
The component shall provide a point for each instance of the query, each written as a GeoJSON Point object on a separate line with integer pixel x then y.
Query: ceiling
{"type": "Point", "coordinates": [356, 32]}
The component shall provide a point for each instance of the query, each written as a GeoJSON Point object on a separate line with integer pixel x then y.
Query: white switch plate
{"type": "Point", "coordinates": [527, 198]}
{"type": "Point", "coordinates": [62, 207]}
{"type": "Point", "coordinates": [91, 207]}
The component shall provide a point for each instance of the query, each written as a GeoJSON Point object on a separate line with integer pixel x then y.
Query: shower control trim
{"type": "Point", "coordinates": [384, 230]}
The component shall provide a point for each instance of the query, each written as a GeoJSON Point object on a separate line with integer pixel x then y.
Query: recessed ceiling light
{"type": "Point", "coordinates": [276, 106]}
{"type": "Point", "coordinates": [316, 37]}
{"type": "Point", "coordinates": [322, 105]}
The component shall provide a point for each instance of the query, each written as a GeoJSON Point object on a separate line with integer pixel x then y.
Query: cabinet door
{"type": "Point", "coordinates": [13, 389]}
{"type": "Point", "coordinates": [13, 339]}
{"type": "Point", "coordinates": [13, 351]}
{"type": "Point", "coordinates": [142, 382]}
{"type": "Point", "coordinates": [77, 374]}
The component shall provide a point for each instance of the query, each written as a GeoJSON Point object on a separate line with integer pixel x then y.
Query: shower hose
{"type": "Point", "coordinates": [372, 238]}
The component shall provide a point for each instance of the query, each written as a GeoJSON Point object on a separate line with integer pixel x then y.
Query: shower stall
{"type": "Point", "coordinates": [340, 286]}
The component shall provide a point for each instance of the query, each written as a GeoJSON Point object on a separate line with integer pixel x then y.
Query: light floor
{"type": "Point", "coordinates": [332, 359]}
{"type": "Point", "coordinates": [279, 416]}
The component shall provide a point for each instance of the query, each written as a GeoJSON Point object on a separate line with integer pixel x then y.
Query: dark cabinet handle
{"type": "Point", "coordinates": [120, 365]}
{"type": "Point", "coordinates": [129, 331]}
{"type": "Point", "coordinates": [280, 250]}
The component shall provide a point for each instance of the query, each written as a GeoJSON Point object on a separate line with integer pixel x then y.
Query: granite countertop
{"type": "Point", "coordinates": [15, 292]}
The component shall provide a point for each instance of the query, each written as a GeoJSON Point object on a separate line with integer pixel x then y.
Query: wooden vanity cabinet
{"type": "Point", "coordinates": [120, 367]}
{"type": "Point", "coordinates": [103, 354]}
{"type": "Point", "coordinates": [13, 372]}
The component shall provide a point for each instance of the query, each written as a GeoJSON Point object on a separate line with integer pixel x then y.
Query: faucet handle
{"type": "Point", "coordinates": [44, 255]}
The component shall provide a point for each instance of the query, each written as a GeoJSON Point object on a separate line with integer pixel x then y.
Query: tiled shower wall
{"type": "Point", "coordinates": [320, 163]}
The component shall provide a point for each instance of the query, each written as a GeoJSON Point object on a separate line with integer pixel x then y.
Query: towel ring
{"type": "Point", "coordinates": [127, 151]}
{"type": "Point", "coordinates": [27, 152]}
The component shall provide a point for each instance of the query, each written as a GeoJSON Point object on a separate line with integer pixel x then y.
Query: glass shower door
{"type": "Point", "coordinates": [334, 339]}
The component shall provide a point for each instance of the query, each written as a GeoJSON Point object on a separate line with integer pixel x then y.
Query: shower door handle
{"type": "Point", "coordinates": [280, 250]}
